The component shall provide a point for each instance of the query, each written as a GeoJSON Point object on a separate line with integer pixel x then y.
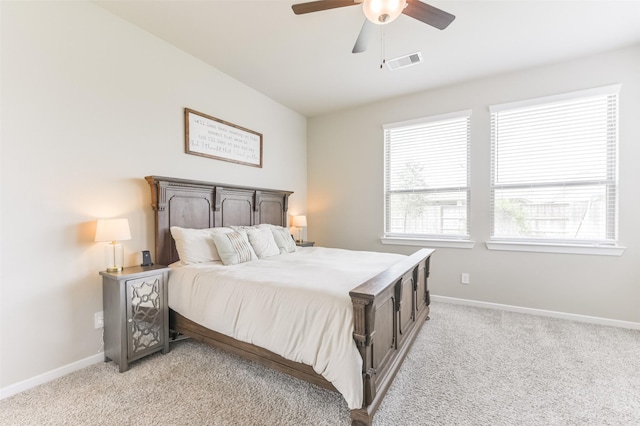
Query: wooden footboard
{"type": "Point", "coordinates": [389, 311]}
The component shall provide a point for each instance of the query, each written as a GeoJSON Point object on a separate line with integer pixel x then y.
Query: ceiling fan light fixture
{"type": "Point", "coordinates": [382, 12]}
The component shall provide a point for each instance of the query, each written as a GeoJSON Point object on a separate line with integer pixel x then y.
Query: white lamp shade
{"type": "Point", "coordinates": [299, 221]}
{"type": "Point", "coordinates": [113, 230]}
{"type": "Point", "coordinates": [383, 11]}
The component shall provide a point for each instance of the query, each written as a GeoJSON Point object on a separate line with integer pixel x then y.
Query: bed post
{"type": "Point", "coordinates": [363, 320]}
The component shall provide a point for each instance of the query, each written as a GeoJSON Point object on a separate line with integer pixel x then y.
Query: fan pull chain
{"type": "Point", "coordinates": [382, 59]}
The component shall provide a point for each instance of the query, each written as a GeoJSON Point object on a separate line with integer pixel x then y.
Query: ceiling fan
{"type": "Point", "coordinates": [381, 12]}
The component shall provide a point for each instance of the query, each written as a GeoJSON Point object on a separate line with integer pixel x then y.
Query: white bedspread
{"type": "Point", "coordinates": [296, 305]}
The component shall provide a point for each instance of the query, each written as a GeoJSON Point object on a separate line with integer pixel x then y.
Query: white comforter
{"type": "Point", "coordinates": [296, 305]}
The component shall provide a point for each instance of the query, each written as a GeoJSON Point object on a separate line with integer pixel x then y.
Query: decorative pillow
{"type": "Point", "coordinates": [261, 239]}
{"type": "Point", "coordinates": [283, 239]}
{"type": "Point", "coordinates": [234, 247]}
{"type": "Point", "coordinates": [196, 245]}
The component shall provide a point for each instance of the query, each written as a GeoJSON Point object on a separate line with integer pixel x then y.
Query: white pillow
{"type": "Point", "coordinates": [250, 227]}
{"type": "Point", "coordinates": [265, 225]}
{"type": "Point", "coordinates": [285, 243]}
{"type": "Point", "coordinates": [196, 245]}
{"type": "Point", "coordinates": [234, 247]}
{"type": "Point", "coordinates": [262, 242]}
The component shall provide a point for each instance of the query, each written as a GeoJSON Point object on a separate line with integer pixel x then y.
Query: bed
{"type": "Point", "coordinates": [387, 309]}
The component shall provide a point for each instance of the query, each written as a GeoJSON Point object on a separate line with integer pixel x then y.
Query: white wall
{"type": "Point", "coordinates": [345, 192]}
{"type": "Point", "coordinates": [91, 105]}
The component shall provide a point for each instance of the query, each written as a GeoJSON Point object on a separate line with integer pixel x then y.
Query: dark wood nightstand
{"type": "Point", "coordinates": [136, 313]}
{"type": "Point", "coordinates": [305, 243]}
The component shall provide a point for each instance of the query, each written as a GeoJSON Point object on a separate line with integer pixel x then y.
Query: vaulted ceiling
{"type": "Point", "coordinates": [305, 62]}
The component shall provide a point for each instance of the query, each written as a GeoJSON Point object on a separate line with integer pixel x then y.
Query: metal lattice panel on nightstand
{"type": "Point", "coordinates": [144, 322]}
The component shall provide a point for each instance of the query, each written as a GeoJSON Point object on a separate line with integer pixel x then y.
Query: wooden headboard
{"type": "Point", "coordinates": [196, 204]}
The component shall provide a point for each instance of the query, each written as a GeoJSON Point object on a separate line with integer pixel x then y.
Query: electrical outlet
{"type": "Point", "coordinates": [464, 278]}
{"type": "Point", "coordinates": [98, 319]}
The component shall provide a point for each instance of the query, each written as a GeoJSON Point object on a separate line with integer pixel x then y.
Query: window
{"type": "Point", "coordinates": [553, 169]}
{"type": "Point", "coordinates": [427, 177]}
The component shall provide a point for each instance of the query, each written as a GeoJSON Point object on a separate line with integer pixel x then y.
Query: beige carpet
{"type": "Point", "coordinates": [469, 366]}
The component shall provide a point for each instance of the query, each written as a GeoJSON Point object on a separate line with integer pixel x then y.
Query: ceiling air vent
{"type": "Point", "coordinates": [404, 61]}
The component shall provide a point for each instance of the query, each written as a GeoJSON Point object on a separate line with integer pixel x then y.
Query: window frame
{"type": "Point", "coordinates": [434, 240]}
{"type": "Point", "coordinates": [606, 246]}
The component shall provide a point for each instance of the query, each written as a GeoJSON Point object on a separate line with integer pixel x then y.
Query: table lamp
{"type": "Point", "coordinates": [113, 231]}
{"type": "Point", "coordinates": [300, 222]}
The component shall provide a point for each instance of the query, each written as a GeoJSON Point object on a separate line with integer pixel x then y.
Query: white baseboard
{"type": "Point", "coordinates": [50, 375]}
{"type": "Point", "coordinates": [540, 312]}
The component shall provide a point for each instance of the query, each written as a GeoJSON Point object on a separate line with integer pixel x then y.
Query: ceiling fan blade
{"type": "Point", "coordinates": [428, 14]}
{"type": "Point", "coordinates": [317, 6]}
{"type": "Point", "coordinates": [364, 37]}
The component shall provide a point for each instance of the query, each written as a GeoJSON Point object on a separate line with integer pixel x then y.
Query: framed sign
{"type": "Point", "coordinates": [211, 137]}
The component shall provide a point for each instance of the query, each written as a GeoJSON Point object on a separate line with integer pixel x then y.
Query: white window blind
{"type": "Point", "coordinates": [427, 177]}
{"type": "Point", "coordinates": [554, 168]}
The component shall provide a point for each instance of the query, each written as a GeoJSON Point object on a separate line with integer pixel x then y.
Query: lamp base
{"type": "Point", "coordinates": [114, 256]}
